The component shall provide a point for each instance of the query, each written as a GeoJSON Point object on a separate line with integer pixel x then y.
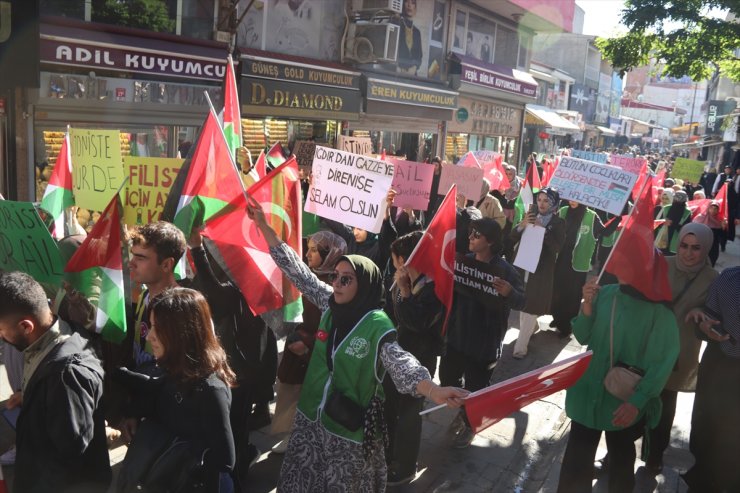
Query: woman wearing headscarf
{"type": "Point", "coordinates": [489, 206]}
{"type": "Point", "coordinates": [539, 283]}
{"type": "Point", "coordinates": [690, 275]}
{"type": "Point", "coordinates": [710, 218]}
{"type": "Point", "coordinates": [338, 439]}
{"type": "Point", "coordinates": [507, 199]}
{"type": "Point", "coordinates": [676, 216]}
{"type": "Point", "coordinates": [324, 249]}
{"type": "Point", "coordinates": [583, 228]}
{"type": "Point", "coordinates": [666, 199]}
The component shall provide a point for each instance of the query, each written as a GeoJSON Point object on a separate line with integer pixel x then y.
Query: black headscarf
{"type": "Point", "coordinates": [369, 295]}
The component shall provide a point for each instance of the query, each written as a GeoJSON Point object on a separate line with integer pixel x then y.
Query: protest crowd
{"type": "Point", "coordinates": [390, 284]}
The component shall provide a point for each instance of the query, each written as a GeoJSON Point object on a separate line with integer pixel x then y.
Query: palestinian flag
{"type": "Point", "coordinates": [99, 260]}
{"type": "Point", "coordinates": [231, 116]}
{"type": "Point", "coordinates": [275, 156]}
{"type": "Point", "coordinates": [58, 194]}
{"type": "Point", "coordinates": [241, 250]}
{"type": "Point", "coordinates": [529, 189]}
{"type": "Point", "coordinates": [211, 181]}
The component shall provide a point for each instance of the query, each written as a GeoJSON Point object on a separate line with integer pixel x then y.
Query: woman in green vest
{"type": "Point", "coordinates": [338, 435]}
{"type": "Point", "coordinates": [582, 230]}
{"type": "Point", "coordinates": [676, 216]}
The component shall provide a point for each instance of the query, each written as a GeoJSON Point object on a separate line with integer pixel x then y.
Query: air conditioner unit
{"type": "Point", "coordinates": [392, 5]}
{"type": "Point", "coordinates": [369, 42]}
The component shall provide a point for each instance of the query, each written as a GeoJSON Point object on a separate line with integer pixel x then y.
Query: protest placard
{"type": "Point", "coordinates": [687, 169]}
{"type": "Point", "coordinates": [627, 163]}
{"type": "Point", "coordinates": [26, 245]}
{"type": "Point", "coordinates": [150, 180]}
{"type": "Point", "coordinates": [475, 279]}
{"type": "Point", "coordinates": [349, 188]}
{"type": "Point", "coordinates": [97, 168]}
{"type": "Point", "coordinates": [468, 181]}
{"type": "Point", "coordinates": [597, 157]}
{"type": "Point", "coordinates": [304, 150]}
{"type": "Point", "coordinates": [355, 145]}
{"type": "Point", "coordinates": [595, 185]}
{"type": "Point", "coordinates": [530, 248]}
{"type": "Point", "coordinates": [412, 182]}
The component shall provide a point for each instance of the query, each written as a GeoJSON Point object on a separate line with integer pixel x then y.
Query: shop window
{"type": "Point", "coordinates": [197, 18]}
{"type": "Point", "coordinates": [525, 47]}
{"type": "Point", "coordinates": [506, 48]}
{"type": "Point", "coordinates": [152, 15]}
{"type": "Point", "coordinates": [260, 134]}
{"type": "Point", "coordinates": [458, 42]}
{"type": "Point", "coordinates": [479, 39]}
{"type": "Point", "coordinates": [73, 9]}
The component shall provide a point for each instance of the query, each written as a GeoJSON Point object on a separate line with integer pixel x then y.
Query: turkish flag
{"type": "Point", "coordinates": [721, 197]}
{"type": "Point", "coordinates": [434, 255]}
{"type": "Point", "coordinates": [488, 406]}
{"type": "Point", "coordinates": [493, 170]}
{"type": "Point", "coordinates": [635, 260]}
{"type": "Point", "coordinates": [548, 169]}
{"type": "Point", "coordinates": [698, 206]}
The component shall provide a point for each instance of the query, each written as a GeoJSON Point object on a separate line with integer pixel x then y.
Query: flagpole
{"type": "Point", "coordinates": [231, 158]}
{"type": "Point", "coordinates": [619, 238]}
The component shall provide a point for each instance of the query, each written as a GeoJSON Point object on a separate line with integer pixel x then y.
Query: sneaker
{"type": "Point", "coordinates": [281, 446]}
{"type": "Point", "coordinates": [396, 479]}
{"type": "Point", "coordinates": [463, 438]}
{"type": "Point", "coordinates": [8, 458]}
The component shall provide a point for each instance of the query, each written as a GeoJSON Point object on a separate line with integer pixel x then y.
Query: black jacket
{"type": "Point", "coordinates": [419, 320]}
{"type": "Point", "coordinates": [60, 434]}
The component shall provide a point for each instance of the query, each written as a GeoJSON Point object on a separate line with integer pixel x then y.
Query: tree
{"type": "Point", "coordinates": [152, 15]}
{"type": "Point", "coordinates": [698, 47]}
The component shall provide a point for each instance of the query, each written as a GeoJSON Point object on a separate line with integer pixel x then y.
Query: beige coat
{"type": "Point", "coordinates": [683, 377]}
{"type": "Point", "coordinates": [491, 207]}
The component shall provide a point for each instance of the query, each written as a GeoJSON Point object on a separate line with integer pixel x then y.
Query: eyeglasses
{"type": "Point", "coordinates": [475, 234]}
{"type": "Point", "coordinates": [344, 281]}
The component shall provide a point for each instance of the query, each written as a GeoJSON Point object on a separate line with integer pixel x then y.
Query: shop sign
{"type": "Point", "coordinates": [487, 118]}
{"type": "Point", "coordinates": [277, 98]}
{"type": "Point", "coordinates": [461, 115]}
{"type": "Point", "coordinates": [305, 74]}
{"type": "Point", "coordinates": [716, 113]}
{"type": "Point", "coordinates": [396, 92]}
{"type": "Point", "coordinates": [82, 53]}
{"type": "Point", "coordinates": [497, 77]}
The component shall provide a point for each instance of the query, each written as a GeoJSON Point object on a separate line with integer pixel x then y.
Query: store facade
{"type": "Point", "coordinates": [101, 76]}
{"type": "Point", "coordinates": [288, 99]}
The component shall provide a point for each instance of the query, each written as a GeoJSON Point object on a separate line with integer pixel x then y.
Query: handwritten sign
{"type": "Point", "coordinates": [687, 169]}
{"type": "Point", "coordinates": [475, 279]}
{"type": "Point", "coordinates": [412, 182]}
{"type": "Point", "coordinates": [150, 180]}
{"type": "Point", "coordinates": [304, 150]}
{"type": "Point", "coordinates": [349, 188]}
{"type": "Point", "coordinates": [598, 157]}
{"type": "Point", "coordinates": [600, 186]}
{"type": "Point", "coordinates": [97, 169]}
{"type": "Point", "coordinates": [355, 145]}
{"type": "Point", "coordinates": [468, 181]}
{"type": "Point", "coordinates": [628, 163]}
{"type": "Point", "coordinates": [26, 245]}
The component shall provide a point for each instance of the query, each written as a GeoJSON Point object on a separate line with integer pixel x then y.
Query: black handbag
{"type": "Point", "coordinates": [159, 462]}
{"type": "Point", "coordinates": [344, 411]}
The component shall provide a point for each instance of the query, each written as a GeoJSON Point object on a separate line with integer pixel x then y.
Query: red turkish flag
{"type": "Point", "coordinates": [635, 260]}
{"type": "Point", "coordinates": [698, 206]}
{"type": "Point", "coordinates": [721, 197]}
{"type": "Point", "coordinates": [434, 255]}
{"type": "Point", "coordinates": [488, 406]}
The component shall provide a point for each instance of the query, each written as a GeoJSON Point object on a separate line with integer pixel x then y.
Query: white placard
{"type": "Point", "coordinates": [349, 188]}
{"type": "Point", "coordinates": [530, 248]}
{"type": "Point", "coordinates": [595, 185]}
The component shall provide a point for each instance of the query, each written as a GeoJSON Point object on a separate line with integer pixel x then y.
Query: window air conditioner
{"type": "Point", "coordinates": [373, 42]}
{"type": "Point", "coordinates": [393, 5]}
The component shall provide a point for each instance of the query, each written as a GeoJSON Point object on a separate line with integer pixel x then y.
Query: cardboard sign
{"type": "Point", "coordinates": [304, 151]}
{"type": "Point", "coordinates": [26, 245]}
{"type": "Point", "coordinates": [349, 188]}
{"type": "Point", "coordinates": [412, 182]}
{"type": "Point", "coordinates": [628, 163]}
{"type": "Point", "coordinates": [475, 279]}
{"type": "Point", "coordinates": [595, 185]}
{"type": "Point", "coordinates": [597, 157]}
{"type": "Point", "coordinates": [97, 168]}
{"type": "Point", "coordinates": [687, 169]}
{"type": "Point", "coordinates": [468, 181]}
{"type": "Point", "coordinates": [150, 180]}
{"type": "Point", "coordinates": [355, 145]}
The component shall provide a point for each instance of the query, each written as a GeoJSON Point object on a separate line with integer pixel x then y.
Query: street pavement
{"type": "Point", "coordinates": [522, 453]}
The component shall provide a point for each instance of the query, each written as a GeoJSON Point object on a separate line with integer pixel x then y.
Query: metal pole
{"type": "Point", "coordinates": [691, 120]}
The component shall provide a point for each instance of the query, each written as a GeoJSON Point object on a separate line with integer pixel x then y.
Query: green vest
{"type": "Point", "coordinates": [608, 241]}
{"type": "Point", "coordinates": [673, 247]}
{"type": "Point", "coordinates": [355, 372]}
{"type": "Point", "coordinates": [585, 242]}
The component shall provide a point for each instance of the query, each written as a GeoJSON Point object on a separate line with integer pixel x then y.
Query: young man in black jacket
{"type": "Point", "coordinates": [60, 433]}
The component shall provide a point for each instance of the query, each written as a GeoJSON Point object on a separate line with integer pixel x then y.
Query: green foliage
{"type": "Point", "coordinates": [700, 45]}
{"type": "Point", "coordinates": [152, 15]}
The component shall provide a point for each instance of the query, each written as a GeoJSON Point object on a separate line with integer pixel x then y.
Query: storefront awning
{"type": "Point", "coordinates": [496, 77]}
{"type": "Point", "coordinates": [607, 132]}
{"type": "Point", "coordinates": [542, 115]}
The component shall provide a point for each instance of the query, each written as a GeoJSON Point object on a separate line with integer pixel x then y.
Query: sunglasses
{"type": "Point", "coordinates": [344, 281]}
{"type": "Point", "coordinates": [475, 234]}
